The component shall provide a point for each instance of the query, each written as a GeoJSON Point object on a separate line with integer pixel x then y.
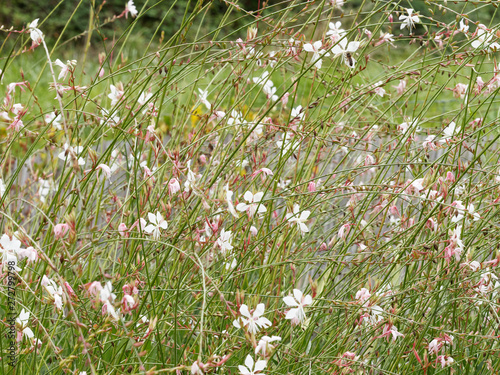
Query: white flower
{"type": "Point", "coordinates": [109, 120]}
{"type": "Point", "coordinates": [335, 31]}
{"type": "Point", "coordinates": [253, 322]}
{"type": "Point", "coordinates": [363, 294]}
{"type": "Point", "coordinates": [409, 20]}
{"type": "Point", "coordinates": [236, 118]}
{"type": "Point", "coordinates": [144, 98]}
{"type": "Point", "coordinates": [376, 315]}
{"type": "Point", "coordinates": [483, 39]}
{"type": "Point", "coordinates": [264, 346]}
{"type": "Point", "coordinates": [463, 27]}
{"type": "Point", "coordinates": [54, 290]}
{"type": "Point", "coordinates": [229, 200]}
{"type": "Point", "coordinates": [297, 112]}
{"type": "Point", "coordinates": [23, 320]}
{"type": "Point", "coordinates": [191, 178]}
{"type": "Point", "coordinates": [35, 33]}
{"type": "Point", "coordinates": [300, 220]}
{"type": "Point", "coordinates": [56, 120]}
{"type": "Point", "coordinates": [346, 50]}
{"type": "Point", "coordinates": [253, 205]}
{"type": "Point", "coordinates": [109, 308]}
{"type": "Point", "coordinates": [378, 89]}
{"type": "Point", "coordinates": [9, 249]}
{"type": "Point", "coordinates": [130, 8]}
{"type": "Point", "coordinates": [250, 369]}
{"type": "Point", "coordinates": [418, 184]}
{"type": "Point", "coordinates": [318, 52]}
{"type": "Point", "coordinates": [65, 68]}
{"type": "Point", "coordinates": [157, 223]}
{"type": "Point", "coordinates": [195, 369]}
{"type": "Point", "coordinates": [115, 95]}
{"type": "Point", "coordinates": [106, 293]}
{"type": "Point", "coordinates": [224, 241]}
{"type": "Point", "coordinates": [69, 150]}
{"type": "Point", "coordinates": [203, 98]}
{"type": "Point", "coordinates": [263, 80]}
{"type": "Point", "coordinates": [429, 142]}
{"type": "Point", "coordinates": [449, 132]}
{"type": "Point", "coordinates": [386, 37]}
{"type": "Point", "coordinates": [445, 360]}
{"type": "Point", "coordinates": [434, 346]}
{"type": "Point", "coordinates": [298, 302]}
{"type": "Point", "coordinates": [231, 265]}
{"type": "Point", "coordinates": [287, 142]}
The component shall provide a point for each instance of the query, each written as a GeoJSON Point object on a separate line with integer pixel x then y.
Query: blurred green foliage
{"type": "Point", "coordinates": [54, 15]}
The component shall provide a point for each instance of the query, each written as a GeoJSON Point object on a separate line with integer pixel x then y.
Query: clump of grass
{"type": "Point", "coordinates": [315, 192]}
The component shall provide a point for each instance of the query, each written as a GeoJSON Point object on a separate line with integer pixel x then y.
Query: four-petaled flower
{"type": "Point", "coordinates": [296, 314]}
{"type": "Point", "coordinates": [252, 368]}
{"type": "Point", "coordinates": [346, 49]}
{"type": "Point", "coordinates": [299, 218]}
{"type": "Point", "coordinates": [157, 224]}
{"type": "Point", "coordinates": [318, 52]}
{"type": "Point", "coordinates": [253, 205]}
{"type": "Point", "coordinates": [410, 20]}
{"type": "Point", "coordinates": [252, 321]}
{"type": "Point", "coordinates": [224, 241]}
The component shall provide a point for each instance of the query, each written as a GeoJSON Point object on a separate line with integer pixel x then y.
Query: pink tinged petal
{"type": "Point", "coordinates": [164, 224]}
{"type": "Point", "coordinates": [291, 314]}
{"type": "Point", "coordinates": [303, 227]}
{"type": "Point", "coordinates": [244, 311]}
{"type": "Point", "coordinates": [248, 196]}
{"type": "Point", "coordinates": [308, 47]}
{"type": "Point", "coordinates": [308, 300]}
{"type": "Point", "coordinates": [260, 365]}
{"type": "Point", "coordinates": [243, 370]}
{"type": "Point", "coordinates": [249, 362]}
{"type": "Point", "coordinates": [297, 294]}
{"type": "Point", "coordinates": [352, 47]}
{"type": "Point", "coordinates": [258, 196]}
{"type": "Point", "coordinates": [317, 45]}
{"type": "Point", "coordinates": [159, 218]}
{"type": "Point", "coordinates": [264, 322]}
{"type": "Point", "coordinates": [259, 310]}
{"type": "Point", "coordinates": [150, 228]}
{"type": "Point", "coordinates": [242, 207]}
{"type": "Point", "coordinates": [28, 332]}
{"type": "Point", "coordinates": [152, 218]}
{"type": "Point", "coordinates": [290, 301]}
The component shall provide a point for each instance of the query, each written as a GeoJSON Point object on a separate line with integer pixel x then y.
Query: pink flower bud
{"type": "Point", "coordinates": [203, 159]}
{"type": "Point", "coordinates": [60, 230]}
{"type": "Point", "coordinates": [390, 18]}
{"type": "Point", "coordinates": [394, 211]}
{"type": "Point", "coordinates": [253, 230]}
{"type": "Point", "coordinates": [311, 187]}
{"type": "Point", "coordinates": [70, 290]}
{"type": "Point", "coordinates": [105, 169]}
{"type": "Point", "coordinates": [284, 99]}
{"type": "Point", "coordinates": [450, 177]}
{"type": "Point", "coordinates": [95, 288]}
{"type": "Point", "coordinates": [323, 247]}
{"type": "Point", "coordinates": [150, 133]}
{"type": "Point", "coordinates": [122, 229]}
{"type": "Point", "coordinates": [174, 186]}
